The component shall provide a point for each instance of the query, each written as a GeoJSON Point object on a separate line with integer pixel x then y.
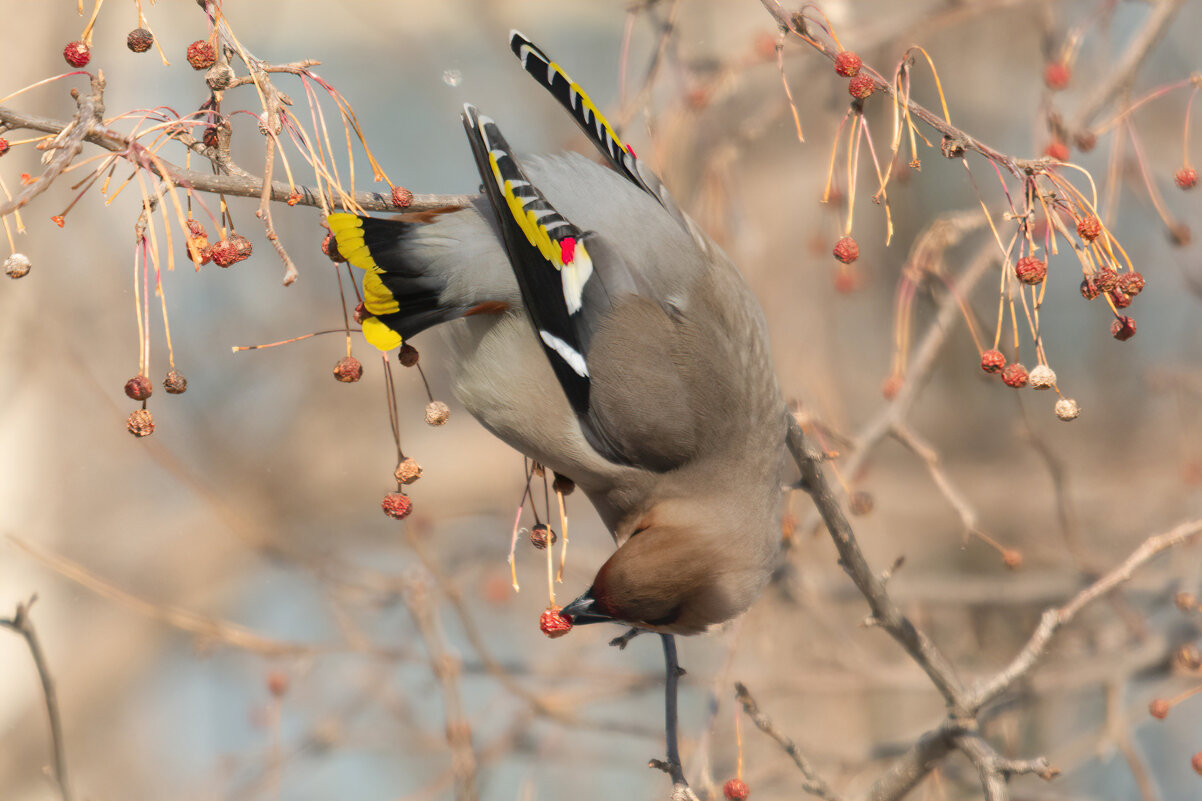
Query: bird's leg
{"type": "Point", "coordinates": [680, 787]}
{"type": "Point", "coordinates": [622, 640]}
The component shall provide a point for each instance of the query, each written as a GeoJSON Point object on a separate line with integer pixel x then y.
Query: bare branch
{"type": "Point", "coordinates": [813, 783]}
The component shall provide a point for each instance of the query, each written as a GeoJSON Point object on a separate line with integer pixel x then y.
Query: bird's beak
{"type": "Point", "coordinates": [581, 611]}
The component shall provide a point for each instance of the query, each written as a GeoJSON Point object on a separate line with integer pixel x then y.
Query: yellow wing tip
{"type": "Point", "coordinates": [380, 335]}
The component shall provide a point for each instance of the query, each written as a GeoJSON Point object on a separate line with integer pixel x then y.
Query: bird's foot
{"type": "Point", "coordinates": [621, 641]}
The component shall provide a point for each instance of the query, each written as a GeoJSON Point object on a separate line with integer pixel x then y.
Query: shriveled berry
{"type": "Point", "coordinates": [4, 146]}
{"type": "Point", "coordinates": [329, 246]}
{"type": "Point", "coordinates": [1089, 290]}
{"type": "Point", "coordinates": [543, 535]}
{"type": "Point", "coordinates": [992, 361]}
{"type": "Point", "coordinates": [847, 64]}
{"type": "Point", "coordinates": [242, 247]}
{"type": "Point", "coordinates": [1057, 75]}
{"type": "Point", "coordinates": [736, 790]}
{"type": "Point", "coordinates": [407, 471]}
{"type": "Point", "coordinates": [1015, 375]}
{"type": "Point", "coordinates": [1122, 329]}
{"type": "Point", "coordinates": [139, 387]}
{"type": "Point", "coordinates": [860, 503]}
{"type": "Point", "coordinates": [396, 505]}
{"type": "Point", "coordinates": [563, 485]}
{"type": "Point", "coordinates": [437, 413]}
{"type": "Point", "coordinates": [1186, 178]}
{"type": "Point", "coordinates": [175, 383]}
{"type": "Point", "coordinates": [861, 87]}
{"type": "Point", "coordinates": [223, 253]}
{"type": "Point", "coordinates": [1106, 279]}
{"type": "Point", "coordinates": [77, 54]}
{"type": "Point", "coordinates": [553, 624]}
{"type": "Point", "coordinates": [1012, 558]}
{"type": "Point", "coordinates": [1031, 270]}
{"type": "Point", "coordinates": [402, 198]}
{"type": "Point", "coordinates": [1067, 409]}
{"type": "Point", "coordinates": [348, 370]}
{"type": "Point", "coordinates": [201, 54]}
{"type": "Point", "coordinates": [139, 40]}
{"type": "Point", "coordinates": [1085, 140]}
{"type": "Point", "coordinates": [846, 250]}
{"type": "Point", "coordinates": [1056, 150]}
{"type": "Point", "coordinates": [140, 423]}
{"type": "Point", "coordinates": [17, 265]}
{"type": "Point", "coordinates": [1120, 299]}
{"type": "Point", "coordinates": [1186, 601]}
{"type": "Point", "coordinates": [1132, 283]}
{"type": "Point", "coordinates": [360, 313]}
{"type": "Point", "coordinates": [1089, 228]}
{"type": "Point", "coordinates": [408, 356]}
{"type": "Point", "coordinates": [1043, 377]}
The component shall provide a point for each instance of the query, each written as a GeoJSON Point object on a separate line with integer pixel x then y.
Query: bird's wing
{"type": "Point", "coordinates": [570, 279]}
{"type": "Point", "coordinates": [596, 127]}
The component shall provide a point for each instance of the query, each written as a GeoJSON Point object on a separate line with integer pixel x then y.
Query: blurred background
{"type": "Point", "coordinates": [228, 615]}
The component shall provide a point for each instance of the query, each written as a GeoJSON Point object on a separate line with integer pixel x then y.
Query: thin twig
{"type": "Point", "coordinates": [813, 784]}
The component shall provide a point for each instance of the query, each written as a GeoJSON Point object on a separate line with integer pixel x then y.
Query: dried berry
{"type": "Point", "coordinates": [1031, 270]}
{"type": "Point", "coordinates": [1089, 290]}
{"type": "Point", "coordinates": [4, 146]}
{"type": "Point", "coordinates": [860, 503]}
{"type": "Point", "coordinates": [348, 370]}
{"type": "Point", "coordinates": [17, 265]}
{"type": "Point", "coordinates": [78, 54]}
{"type": "Point", "coordinates": [396, 506]}
{"type": "Point", "coordinates": [1106, 279]}
{"type": "Point", "coordinates": [1057, 75]}
{"type": "Point", "coordinates": [401, 197]}
{"type": "Point", "coordinates": [175, 383]}
{"type": "Point", "coordinates": [736, 790]}
{"type": "Point", "coordinates": [223, 253]}
{"type": "Point", "coordinates": [563, 485]}
{"type": "Point", "coordinates": [219, 77]}
{"type": "Point", "coordinates": [1188, 657]}
{"type": "Point", "coordinates": [846, 250]}
{"type": "Point", "coordinates": [1122, 329]}
{"type": "Point", "coordinates": [1043, 377]}
{"type": "Point", "coordinates": [1085, 140]}
{"type": "Point", "coordinates": [1159, 708]}
{"type": "Point", "coordinates": [1186, 601]}
{"type": "Point", "coordinates": [437, 413]}
{"type": "Point", "coordinates": [1011, 558]}
{"type": "Point", "coordinates": [140, 423]}
{"type": "Point", "coordinates": [1132, 283]}
{"type": "Point", "coordinates": [891, 386]}
{"type": "Point", "coordinates": [360, 313]}
{"type": "Point", "coordinates": [201, 55]}
{"type": "Point", "coordinates": [197, 242]}
{"type": "Point", "coordinates": [543, 535]}
{"type": "Point", "coordinates": [407, 471]}
{"type": "Point", "coordinates": [1015, 375]}
{"type": "Point", "coordinates": [992, 361]}
{"type": "Point", "coordinates": [1056, 150]}
{"type": "Point", "coordinates": [408, 356]}
{"type": "Point", "coordinates": [277, 683]}
{"type": "Point", "coordinates": [847, 64]}
{"type": "Point", "coordinates": [1186, 178]}
{"type": "Point", "coordinates": [1179, 234]}
{"type": "Point", "coordinates": [1089, 228]}
{"type": "Point", "coordinates": [1067, 409]}
{"type": "Point", "coordinates": [1196, 762]}
{"type": "Point", "coordinates": [554, 624]}
{"type": "Point", "coordinates": [139, 387]}
{"type": "Point", "coordinates": [139, 40]}
{"type": "Point", "coordinates": [242, 247]}
{"type": "Point", "coordinates": [861, 87]}
{"type": "Point", "coordinates": [329, 246]}
{"type": "Point", "coordinates": [1120, 299]}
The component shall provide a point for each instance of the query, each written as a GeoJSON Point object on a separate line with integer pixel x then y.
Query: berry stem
{"type": "Point", "coordinates": [563, 524]}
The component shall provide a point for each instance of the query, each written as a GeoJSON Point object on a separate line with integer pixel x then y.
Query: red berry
{"type": "Point", "coordinates": [1057, 75]}
{"type": "Point", "coordinates": [242, 247]}
{"type": "Point", "coordinates": [77, 54]}
{"type": "Point", "coordinates": [223, 253]}
{"type": "Point", "coordinates": [848, 64]}
{"type": "Point", "coordinates": [201, 55]}
{"type": "Point", "coordinates": [396, 506]}
{"type": "Point", "coordinates": [1196, 762]}
{"type": "Point", "coordinates": [1159, 708]}
{"type": "Point", "coordinates": [139, 387]}
{"type": "Point", "coordinates": [1056, 150]}
{"type": "Point", "coordinates": [1131, 283]}
{"type": "Point", "coordinates": [348, 370]}
{"type": "Point", "coordinates": [846, 250]}
{"type": "Point", "coordinates": [736, 790]}
{"type": "Point", "coordinates": [1089, 228]}
{"type": "Point", "coordinates": [1031, 270]}
{"type": "Point", "coordinates": [4, 146]}
{"type": "Point", "coordinates": [1186, 178]}
{"type": "Point", "coordinates": [277, 683]}
{"type": "Point", "coordinates": [861, 87]}
{"type": "Point", "coordinates": [401, 197]}
{"type": "Point", "coordinates": [139, 40]}
{"type": "Point", "coordinates": [1012, 559]}
{"type": "Point", "coordinates": [891, 386]}
{"type": "Point", "coordinates": [1015, 375]}
{"type": "Point", "coordinates": [554, 624]}
{"type": "Point", "coordinates": [360, 314]}
{"type": "Point", "coordinates": [1089, 290]}
{"type": "Point", "coordinates": [1120, 299]}
{"type": "Point", "coordinates": [1122, 329]}
{"type": "Point", "coordinates": [992, 361]}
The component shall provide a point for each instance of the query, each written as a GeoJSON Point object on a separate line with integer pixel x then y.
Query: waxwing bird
{"type": "Point", "coordinates": [598, 331]}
